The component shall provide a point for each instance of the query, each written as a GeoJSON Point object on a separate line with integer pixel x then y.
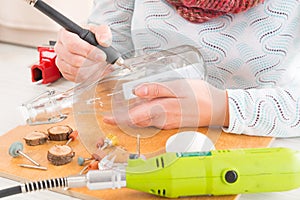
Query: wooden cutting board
{"type": "Point", "coordinates": [9, 166]}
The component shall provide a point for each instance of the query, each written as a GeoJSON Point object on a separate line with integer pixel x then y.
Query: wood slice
{"type": "Point", "coordinates": [60, 154]}
{"type": "Point", "coordinates": [59, 133]}
{"type": "Point", "coordinates": [36, 138]}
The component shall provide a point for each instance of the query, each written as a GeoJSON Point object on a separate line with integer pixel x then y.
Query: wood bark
{"type": "Point", "coordinates": [60, 154]}
{"type": "Point", "coordinates": [36, 138]}
{"type": "Point", "coordinates": [59, 133]}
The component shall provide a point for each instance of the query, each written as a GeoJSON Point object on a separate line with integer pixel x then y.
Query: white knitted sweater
{"type": "Point", "coordinates": [250, 54]}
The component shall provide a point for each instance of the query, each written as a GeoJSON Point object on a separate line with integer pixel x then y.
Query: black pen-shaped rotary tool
{"type": "Point", "coordinates": [113, 56]}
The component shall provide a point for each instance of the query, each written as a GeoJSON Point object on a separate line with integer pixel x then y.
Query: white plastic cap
{"type": "Point", "coordinates": [189, 141]}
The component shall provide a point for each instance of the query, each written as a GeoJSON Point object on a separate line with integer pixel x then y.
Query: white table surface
{"type": "Point", "coordinates": [16, 88]}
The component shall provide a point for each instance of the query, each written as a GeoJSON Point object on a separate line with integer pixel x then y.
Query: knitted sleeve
{"type": "Point", "coordinates": [117, 14]}
{"type": "Point", "coordinates": [268, 111]}
{"type": "Point", "coordinates": [270, 104]}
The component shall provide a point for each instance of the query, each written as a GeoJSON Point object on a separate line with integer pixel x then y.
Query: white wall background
{"type": "Point", "coordinates": [20, 23]}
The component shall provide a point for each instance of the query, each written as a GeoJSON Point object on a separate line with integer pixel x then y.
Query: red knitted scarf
{"type": "Point", "coordinates": [198, 11]}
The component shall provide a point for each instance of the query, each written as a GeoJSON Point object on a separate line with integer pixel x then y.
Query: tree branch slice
{"type": "Point", "coordinates": [36, 138]}
{"type": "Point", "coordinates": [59, 133]}
{"type": "Point", "coordinates": [60, 154]}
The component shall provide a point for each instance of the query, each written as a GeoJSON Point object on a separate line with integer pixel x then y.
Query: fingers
{"type": "Point", "coordinates": [190, 106]}
{"type": "Point", "coordinates": [73, 53]}
{"type": "Point", "coordinates": [142, 116]}
{"type": "Point", "coordinates": [66, 69]}
{"type": "Point", "coordinates": [179, 88]}
{"type": "Point", "coordinates": [71, 43]}
{"type": "Point", "coordinates": [75, 50]}
{"type": "Point", "coordinates": [109, 120]}
{"type": "Point", "coordinates": [154, 113]}
{"type": "Point", "coordinates": [66, 57]}
{"type": "Point", "coordinates": [153, 90]}
{"type": "Point", "coordinates": [103, 34]}
{"type": "Point", "coordinates": [139, 116]}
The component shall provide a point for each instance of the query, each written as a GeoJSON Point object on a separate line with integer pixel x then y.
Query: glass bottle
{"type": "Point", "coordinates": [112, 95]}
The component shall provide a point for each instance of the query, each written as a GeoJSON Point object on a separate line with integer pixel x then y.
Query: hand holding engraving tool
{"type": "Point", "coordinates": [113, 56]}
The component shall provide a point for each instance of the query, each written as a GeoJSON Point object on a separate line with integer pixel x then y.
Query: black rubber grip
{"type": "Point", "coordinates": [10, 191]}
{"type": "Point", "coordinates": [111, 53]}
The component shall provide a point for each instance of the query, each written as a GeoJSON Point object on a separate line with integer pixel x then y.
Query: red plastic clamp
{"type": "Point", "coordinates": [46, 71]}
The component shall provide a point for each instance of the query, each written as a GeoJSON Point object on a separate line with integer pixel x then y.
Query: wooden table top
{"type": "Point", "coordinates": [9, 166]}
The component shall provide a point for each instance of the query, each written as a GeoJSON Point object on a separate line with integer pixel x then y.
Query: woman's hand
{"type": "Point", "coordinates": [76, 59]}
{"type": "Point", "coordinates": [180, 103]}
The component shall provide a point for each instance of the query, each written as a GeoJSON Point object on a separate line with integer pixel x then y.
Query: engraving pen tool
{"type": "Point", "coordinates": [113, 56]}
